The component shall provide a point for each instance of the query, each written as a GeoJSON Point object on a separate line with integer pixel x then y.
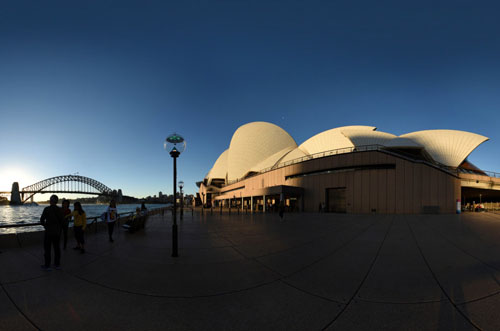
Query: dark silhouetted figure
{"type": "Point", "coordinates": [282, 209]}
{"type": "Point", "coordinates": [79, 225]}
{"type": "Point", "coordinates": [111, 217]}
{"type": "Point", "coordinates": [52, 221]}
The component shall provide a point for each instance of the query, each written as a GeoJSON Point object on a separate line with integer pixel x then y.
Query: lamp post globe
{"type": "Point", "coordinates": [175, 144]}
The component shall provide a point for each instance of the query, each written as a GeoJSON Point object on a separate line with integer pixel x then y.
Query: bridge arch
{"type": "Point", "coordinates": [40, 186]}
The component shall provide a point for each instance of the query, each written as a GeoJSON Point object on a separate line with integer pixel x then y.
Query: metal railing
{"type": "Point", "coordinates": [345, 150]}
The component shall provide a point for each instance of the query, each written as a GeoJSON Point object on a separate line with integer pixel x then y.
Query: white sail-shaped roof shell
{"type": "Point", "coordinates": [254, 142]}
{"type": "Point", "coordinates": [365, 138]}
{"type": "Point", "coordinates": [271, 160]}
{"type": "Point", "coordinates": [219, 169]}
{"type": "Point", "coordinates": [293, 155]}
{"type": "Point", "coordinates": [331, 139]}
{"type": "Point", "coordinates": [448, 147]}
{"type": "Point", "coordinates": [258, 146]}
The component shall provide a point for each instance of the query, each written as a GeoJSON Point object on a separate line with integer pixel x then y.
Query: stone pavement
{"type": "Point", "coordinates": [255, 272]}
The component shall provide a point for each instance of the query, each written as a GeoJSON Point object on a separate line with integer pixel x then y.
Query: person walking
{"type": "Point", "coordinates": [282, 209]}
{"type": "Point", "coordinates": [144, 210]}
{"type": "Point", "coordinates": [52, 220]}
{"type": "Point", "coordinates": [111, 217]}
{"type": "Point", "coordinates": [79, 225]}
{"type": "Point", "coordinates": [67, 215]}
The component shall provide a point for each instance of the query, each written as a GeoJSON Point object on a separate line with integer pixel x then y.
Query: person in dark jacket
{"type": "Point", "coordinates": [52, 221]}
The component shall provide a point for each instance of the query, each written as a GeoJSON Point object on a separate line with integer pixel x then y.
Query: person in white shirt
{"type": "Point", "coordinates": [111, 217]}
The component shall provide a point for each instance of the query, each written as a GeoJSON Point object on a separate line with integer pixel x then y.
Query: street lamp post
{"type": "Point", "coordinates": [181, 185]}
{"type": "Point", "coordinates": [175, 145]}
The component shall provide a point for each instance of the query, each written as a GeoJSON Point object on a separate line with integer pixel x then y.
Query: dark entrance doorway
{"type": "Point", "coordinates": [335, 200]}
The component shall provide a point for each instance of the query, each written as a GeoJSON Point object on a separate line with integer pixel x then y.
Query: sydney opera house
{"type": "Point", "coordinates": [350, 169]}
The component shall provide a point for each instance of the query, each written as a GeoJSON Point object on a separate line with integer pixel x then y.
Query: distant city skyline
{"type": "Point", "coordinates": [95, 89]}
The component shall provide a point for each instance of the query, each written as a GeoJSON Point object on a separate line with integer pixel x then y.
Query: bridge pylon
{"type": "Point", "coordinates": [15, 196]}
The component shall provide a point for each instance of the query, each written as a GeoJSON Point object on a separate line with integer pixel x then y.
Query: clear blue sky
{"type": "Point", "coordinates": [95, 86]}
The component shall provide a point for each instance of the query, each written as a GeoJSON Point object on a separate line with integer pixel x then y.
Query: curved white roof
{"type": "Point", "coordinates": [254, 142]}
{"type": "Point", "coordinates": [260, 145]}
{"type": "Point", "coordinates": [219, 169]}
{"type": "Point", "coordinates": [271, 160]}
{"type": "Point", "coordinates": [331, 139]}
{"type": "Point", "coordinates": [448, 147]}
{"type": "Point", "coordinates": [365, 137]}
{"type": "Point", "coordinates": [292, 155]}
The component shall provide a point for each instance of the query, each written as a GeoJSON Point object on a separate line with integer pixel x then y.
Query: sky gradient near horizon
{"type": "Point", "coordinates": [95, 87]}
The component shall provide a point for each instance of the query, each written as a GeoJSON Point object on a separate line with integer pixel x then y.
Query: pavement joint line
{"type": "Point", "coordinates": [478, 236]}
{"type": "Point", "coordinates": [172, 296]}
{"type": "Point", "coordinates": [364, 278]}
{"type": "Point", "coordinates": [310, 293]}
{"type": "Point", "coordinates": [333, 252]}
{"type": "Point", "coordinates": [438, 282]}
{"type": "Point", "coordinates": [466, 252]}
{"type": "Point", "coordinates": [304, 267]}
{"type": "Point", "coordinates": [282, 279]}
{"type": "Point", "coordinates": [398, 302]}
{"type": "Point", "coordinates": [300, 245]}
{"type": "Point", "coordinates": [18, 308]}
{"type": "Point", "coordinates": [479, 299]}
{"type": "Point", "coordinates": [476, 258]}
{"type": "Point", "coordinates": [282, 276]}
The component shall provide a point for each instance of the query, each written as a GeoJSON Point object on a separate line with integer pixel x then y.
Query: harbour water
{"type": "Point", "coordinates": [31, 214]}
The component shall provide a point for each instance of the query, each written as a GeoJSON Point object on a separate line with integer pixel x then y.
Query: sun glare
{"type": "Point", "coordinates": [14, 174]}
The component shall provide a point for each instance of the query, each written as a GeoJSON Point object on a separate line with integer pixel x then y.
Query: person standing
{"type": "Point", "coordinates": [52, 220]}
{"type": "Point", "coordinates": [282, 209]}
{"type": "Point", "coordinates": [67, 215]}
{"type": "Point", "coordinates": [144, 210]}
{"type": "Point", "coordinates": [111, 217]}
{"type": "Point", "coordinates": [79, 225]}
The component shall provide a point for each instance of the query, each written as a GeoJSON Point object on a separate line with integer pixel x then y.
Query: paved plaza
{"type": "Point", "coordinates": [256, 272]}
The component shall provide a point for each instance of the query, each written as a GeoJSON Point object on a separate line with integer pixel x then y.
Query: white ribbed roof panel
{"type": "Point", "coordinates": [271, 160]}
{"type": "Point", "coordinates": [448, 147]}
{"type": "Point", "coordinates": [254, 142]}
{"type": "Point", "coordinates": [331, 139]}
{"type": "Point", "coordinates": [219, 169]}
{"type": "Point", "coordinates": [294, 154]}
{"type": "Point", "coordinates": [364, 137]}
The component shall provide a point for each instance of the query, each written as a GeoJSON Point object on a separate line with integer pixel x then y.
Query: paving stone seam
{"type": "Point", "coordinates": [18, 308]}
{"type": "Point", "coordinates": [399, 302]}
{"type": "Point", "coordinates": [474, 257]}
{"type": "Point", "coordinates": [310, 293]}
{"type": "Point", "coordinates": [171, 296]}
{"type": "Point", "coordinates": [363, 280]}
{"type": "Point", "coordinates": [334, 251]}
{"type": "Point", "coordinates": [300, 245]}
{"type": "Point", "coordinates": [479, 237]}
{"type": "Point", "coordinates": [301, 269]}
{"type": "Point", "coordinates": [439, 283]}
{"type": "Point", "coordinates": [282, 276]}
{"type": "Point", "coordinates": [479, 299]}
{"type": "Point", "coordinates": [467, 253]}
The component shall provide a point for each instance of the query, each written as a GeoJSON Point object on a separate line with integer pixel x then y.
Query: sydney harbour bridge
{"type": "Point", "coordinates": [60, 184]}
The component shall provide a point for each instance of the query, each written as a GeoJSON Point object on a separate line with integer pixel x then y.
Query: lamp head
{"type": "Point", "coordinates": [175, 144]}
